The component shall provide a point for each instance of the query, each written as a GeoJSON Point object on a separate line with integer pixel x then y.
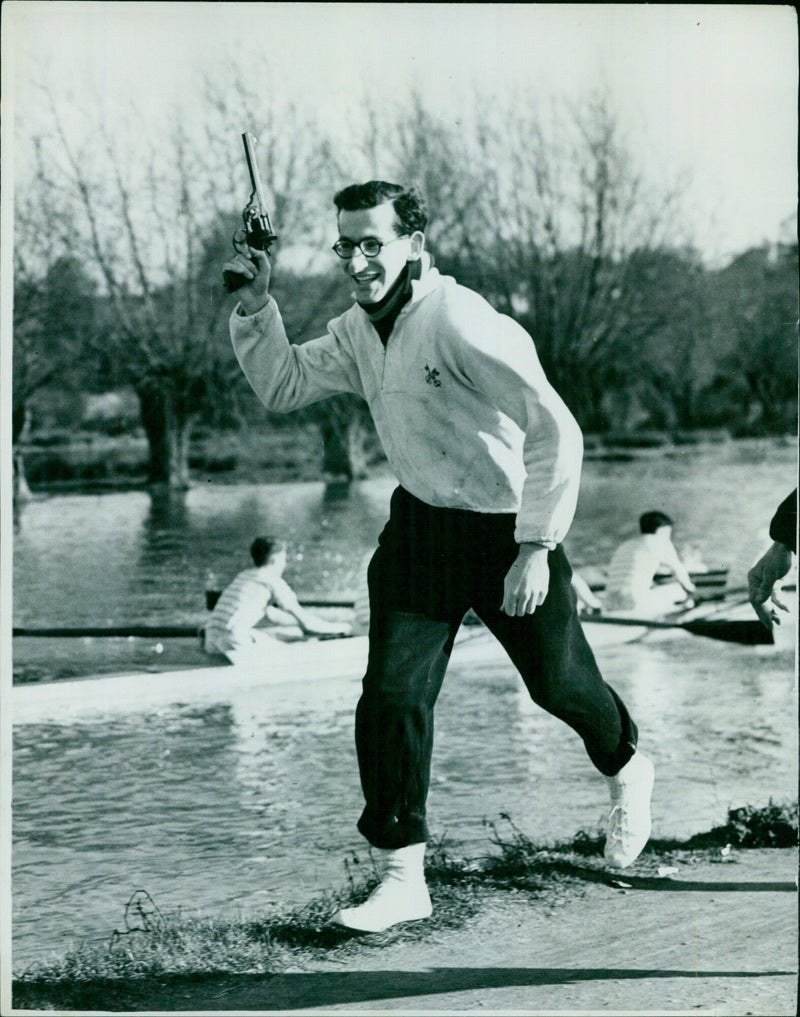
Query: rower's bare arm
{"type": "Point", "coordinates": [308, 622]}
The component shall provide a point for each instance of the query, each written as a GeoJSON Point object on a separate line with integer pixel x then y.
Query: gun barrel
{"type": "Point", "coordinates": [250, 141]}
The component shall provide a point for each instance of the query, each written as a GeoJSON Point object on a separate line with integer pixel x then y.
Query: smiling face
{"type": "Point", "coordinates": [373, 277]}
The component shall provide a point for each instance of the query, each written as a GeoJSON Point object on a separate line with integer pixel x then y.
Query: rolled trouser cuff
{"type": "Point", "coordinates": [390, 833]}
{"type": "Point", "coordinates": [627, 744]}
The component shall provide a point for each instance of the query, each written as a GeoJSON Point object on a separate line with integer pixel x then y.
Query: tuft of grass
{"type": "Point", "coordinates": [772, 826]}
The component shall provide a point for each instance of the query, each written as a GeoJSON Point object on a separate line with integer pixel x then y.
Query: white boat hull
{"type": "Point", "coordinates": [304, 661]}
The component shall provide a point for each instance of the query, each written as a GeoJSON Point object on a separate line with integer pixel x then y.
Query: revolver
{"type": "Point", "coordinates": [257, 231]}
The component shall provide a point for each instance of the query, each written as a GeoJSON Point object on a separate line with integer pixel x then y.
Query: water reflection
{"type": "Point", "coordinates": [143, 557]}
{"type": "Point", "coordinates": [168, 515]}
{"type": "Point", "coordinates": [337, 490]}
{"type": "Point", "coordinates": [255, 798]}
{"type": "Point", "coordinates": [720, 724]}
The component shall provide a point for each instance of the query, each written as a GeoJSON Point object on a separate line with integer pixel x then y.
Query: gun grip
{"type": "Point", "coordinates": [233, 280]}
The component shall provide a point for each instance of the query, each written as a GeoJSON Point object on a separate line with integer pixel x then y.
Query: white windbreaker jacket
{"type": "Point", "coordinates": [462, 407]}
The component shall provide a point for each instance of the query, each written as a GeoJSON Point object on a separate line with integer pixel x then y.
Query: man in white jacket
{"type": "Point", "coordinates": [488, 460]}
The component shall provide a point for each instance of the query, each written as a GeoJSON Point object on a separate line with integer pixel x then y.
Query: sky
{"type": "Point", "coordinates": [708, 90]}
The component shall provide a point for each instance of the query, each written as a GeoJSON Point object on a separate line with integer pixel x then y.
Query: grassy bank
{"type": "Point", "coordinates": [64, 460]}
{"type": "Point", "coordinates": [77, 460]}
{"type": "Point", "coordinates": [156, 955]}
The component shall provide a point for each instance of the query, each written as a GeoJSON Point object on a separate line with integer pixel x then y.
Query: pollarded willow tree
{"type": "Point", "coordinates": [575, 218]}
{"type": "Point", "coordinates": [150, 220]}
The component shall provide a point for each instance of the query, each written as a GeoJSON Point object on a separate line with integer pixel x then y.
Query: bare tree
{"type": "Point", "coordinates": [150, 222]}
{"type": "Point", "coordinates": [574, 217]}
{"type": "Point", "coordinates": [672, 364]}
{"type": "Point", "coordinates": [544, 213]}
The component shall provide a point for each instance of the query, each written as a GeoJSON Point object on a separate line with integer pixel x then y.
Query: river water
{"type": "Point", "coordinates": [225, 808]}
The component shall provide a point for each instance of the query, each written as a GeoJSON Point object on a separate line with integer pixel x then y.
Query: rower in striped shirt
{"type": "Point", "coordinates": [257, 594]}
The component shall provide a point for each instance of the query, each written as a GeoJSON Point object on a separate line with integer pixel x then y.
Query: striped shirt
{"type": "Point", "coordinates": [242, 606]}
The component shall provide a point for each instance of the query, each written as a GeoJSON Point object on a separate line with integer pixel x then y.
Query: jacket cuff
{"type": "Point", "coordinates": [238, 311]}
{"type": "Point", "coordinates": [522, 537]}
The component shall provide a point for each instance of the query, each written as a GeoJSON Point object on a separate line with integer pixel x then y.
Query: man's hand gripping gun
{"type": "Point", "coordinates": [257, 232]}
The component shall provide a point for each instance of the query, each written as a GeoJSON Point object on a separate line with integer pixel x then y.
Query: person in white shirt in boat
{"type": "Point", "coordinates": [633, 567]}
{"type": "Point", "coordinates": [255, 595]}
{"type": "Point", "coordinates": [488, 460]}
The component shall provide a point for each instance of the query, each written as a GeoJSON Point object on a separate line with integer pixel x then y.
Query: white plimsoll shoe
{"type": "Point", "coordinates": [401, 895]}
{"type": "Point", "coordinates": [629, 819]}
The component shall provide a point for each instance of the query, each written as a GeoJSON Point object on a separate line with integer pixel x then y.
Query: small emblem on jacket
{"type": "Point", "coordinates": [432, 377]}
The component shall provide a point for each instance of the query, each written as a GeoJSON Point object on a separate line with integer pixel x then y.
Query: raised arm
{"type": "Point", "coordinates": [283, 376]}
{"type": "Point", "coordinates": [256, 271]}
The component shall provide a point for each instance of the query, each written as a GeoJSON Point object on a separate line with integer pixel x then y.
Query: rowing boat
{"type": "Point", "coordinates": [42, 653]}
{"type": "Point", "coordinates": [179, 671]}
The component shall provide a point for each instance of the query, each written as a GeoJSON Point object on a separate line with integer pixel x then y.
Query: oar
{"type": "Point", "coordinates": [145, 631]}
{"type": "Point", "coordinates": [142, 631]}
{"type": "Point", "coordinates": [749, 633]}
{"type": "Point", "coordinates": [154, 631]}
{"type": "Point", "coordinates": [212, 596]}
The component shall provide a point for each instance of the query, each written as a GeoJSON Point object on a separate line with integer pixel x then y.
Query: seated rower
{"type": "Point", "coordinates": [254, 595]}
{"type": "Point", "coordinates": [634, 565]}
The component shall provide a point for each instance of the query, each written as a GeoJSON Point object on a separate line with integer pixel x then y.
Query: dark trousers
{"type": "Point", "coordinates": [430, 567]}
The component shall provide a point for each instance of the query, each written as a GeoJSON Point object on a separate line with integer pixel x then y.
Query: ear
{"type": "Point", "coordinates": [417, 246]}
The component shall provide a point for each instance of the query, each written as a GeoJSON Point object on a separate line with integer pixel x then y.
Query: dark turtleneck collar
{"type": "Point", "coordinates": [384, 312]}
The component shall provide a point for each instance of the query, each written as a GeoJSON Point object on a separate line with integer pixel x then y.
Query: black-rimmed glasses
{"type": "Point", "coordinates": [370, 247]}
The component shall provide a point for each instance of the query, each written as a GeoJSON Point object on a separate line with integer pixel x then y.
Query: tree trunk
{"type": "Point", "coordinates": [179, 434]}
{"type": "Point", "coordinates": [20, 426]}
{"type": "Point", "coordinates": [357, 440]}
{"type": "Point", "coordinates": [344, 442]}
{"type": "Point", "coordinates": [335, 452]}
{"type": "Point", "coordinates": [168, 436]}
{"type": "Point", "coordinates": [345, 438]}
{"type": "Point", "coordinates": [21, 491]}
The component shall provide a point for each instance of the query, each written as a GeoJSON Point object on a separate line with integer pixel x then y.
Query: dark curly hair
{"type": "Point", "coordinates": [649, 522]}
{"type": "Point", "coordinates": [263, 547]}
{"type": "Point", "coordinates": [408, 203]}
